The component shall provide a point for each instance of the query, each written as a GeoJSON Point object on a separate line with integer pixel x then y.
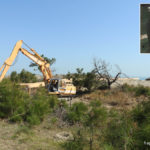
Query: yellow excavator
{"type": "Point", "coordinates": [56, 86]}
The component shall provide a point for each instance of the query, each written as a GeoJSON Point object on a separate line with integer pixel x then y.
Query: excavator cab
{"type": "Point", "coordinates": [63, 87]}
{"type": "Point", "coordinates": [53, 86]}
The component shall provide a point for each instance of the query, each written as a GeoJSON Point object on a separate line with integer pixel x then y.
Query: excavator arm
{"type": "Point", "coordinates": [10, 60]}
{"type": "Point", "coordinates": [44, 66]}
{"type": "Point", "coordinates": [34, 56]}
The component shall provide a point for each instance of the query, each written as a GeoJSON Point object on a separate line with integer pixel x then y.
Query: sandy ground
{"type": "Point", "coordinates": [15, 137]}
{"type": "Point", "coordinates": [131, 81]}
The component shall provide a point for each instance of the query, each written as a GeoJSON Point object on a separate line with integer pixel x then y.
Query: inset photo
{"type": "Point", "coordinates": [145, 28]}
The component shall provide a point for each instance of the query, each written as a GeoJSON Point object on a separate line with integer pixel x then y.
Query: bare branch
{"type": "Point", "coordinates": [102, 71]}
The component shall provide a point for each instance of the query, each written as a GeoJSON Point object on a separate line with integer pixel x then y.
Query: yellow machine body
{"type": "Point", "coordinates": [55, 86]}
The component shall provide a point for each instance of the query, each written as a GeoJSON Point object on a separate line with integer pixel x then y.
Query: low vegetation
{"type": "Point", "coordinates": [100, 77]}
{"type": "Point", "coordinates": [93, 125]}
{"type": "Point", "coordinates": [24, 77]}
{"type": "Point", "coordinates": [17, 106]}
{"type": "Point", "coordinates": [137, 90]}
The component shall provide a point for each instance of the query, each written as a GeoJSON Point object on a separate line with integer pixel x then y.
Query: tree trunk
{"type": "Point", "coordinates": [91, 143]}
{"type": "Point", "coordinates": [91, 139]}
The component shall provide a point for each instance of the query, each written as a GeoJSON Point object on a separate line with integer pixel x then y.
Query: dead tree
{"type": "Point", "coordinates": [103, 72]}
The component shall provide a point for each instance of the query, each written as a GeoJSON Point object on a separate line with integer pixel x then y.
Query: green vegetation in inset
{"type": "Point", "coordinates": [144, 46]}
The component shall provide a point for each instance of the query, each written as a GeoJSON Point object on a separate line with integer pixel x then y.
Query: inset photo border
{"type": "Point", "coordinates": [145, 28]}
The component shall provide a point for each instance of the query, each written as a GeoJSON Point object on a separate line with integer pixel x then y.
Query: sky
{"type": "Point", "coordinates": [75, 32]}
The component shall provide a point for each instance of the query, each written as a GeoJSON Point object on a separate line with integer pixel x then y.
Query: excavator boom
{"type": "Point", "coordinates": [10, 60]}
{"type": "Point", "coordinates": [44, 66]}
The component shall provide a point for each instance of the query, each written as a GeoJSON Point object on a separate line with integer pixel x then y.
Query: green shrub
{"type": "Point", "coordinates": [137, 90]}
{"type": "Point", "coordinates": [96, 115]}
{"type": "Point", "coordinates": [78, 143]}
{"type": "Point", "coordinates": [141, 116]}
{"type": "Point", "coordinates": [127, 88]}
{"type": "Point", "coordinates": [141, 90]}
{"type": "Point", "coordinates": [17, 105]}
{"type": "Point", "coordinates": [12, 100]}
{"type": "Point", "coordinates": [78, 78]}
{"type": "Point", "coordinates": [33, 119]}
{"type": "Point", "coordinates": [94, 122]}
{"type": "Point", "coordinates": [62, 104]}
{"type": "Point", "coordinates": [40, 105]}
{"type": "Point", "coordinates": [53, 102]}
{"type": "Point", "coordinates": [90, 81]}
{"type": "Point", "coordinates": [36, 111]}
{"type": "Point", "coordinates": [108, 147]}
{"type": "Point", "coordinates": [73, 145]}
{"type": "Point", "coordinates": [84, 81]}
{"type": "Point", "coordinates": [76, 113]}
{"type": "Point", "coordinates": [54, 120]}
{"type": "Point", "coordinates": [14, 77]}
{"type": "Point", "coordinates": [24, 76]}
{"type": "Point", "coordinates": [27, 77]}
{"type": "Point", "coordinates": [119, 130]}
